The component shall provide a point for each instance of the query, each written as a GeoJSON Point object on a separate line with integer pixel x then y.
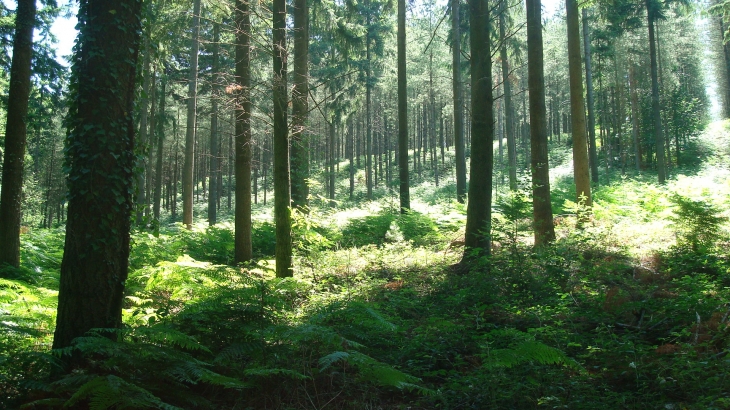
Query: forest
{"type": "Point", "coordinates": [365, 204]}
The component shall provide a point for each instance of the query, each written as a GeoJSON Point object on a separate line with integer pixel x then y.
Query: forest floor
{"type": "Point", "coordinates": [629, 311]}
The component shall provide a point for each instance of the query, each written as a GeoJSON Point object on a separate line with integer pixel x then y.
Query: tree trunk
{"type": "Point", "coordinates": [511, 146]}
{"type": "Point", "coordinates": [479, 208]}
{"type": "Point", "coordinates": [11, 197]}
{"type": "Point", "coordinates": [243, 242]}
{"type": "Point", "coordinates": [214, 154]}
{"type": "Point", "coordinates": [160, 150]}
{"type": "Point", "coordinates": [656, 113]}
{"type": "Point", "coordinates": [282, 193]}
{"type": "Point", "coordinates": [300, 95]}
{"type": "Point", "coordinates": [577, 108]}
{"type": "Point", "coordinates": [592, 151]}
{"type": "Point", "coordinates": [143, 143]}
{"type": "Point", "coordinates": [459, 145]}
{"type": "Point", "coordinates": [404, 183]}
{"type": "Point", "coordinates": [635, 117]}
{"type": "Point", "coordinates": [191, 123]}
{"type": "Point", "coordinates": [100, 154]}
{"type": "Point", "coordinates": [541, 205]}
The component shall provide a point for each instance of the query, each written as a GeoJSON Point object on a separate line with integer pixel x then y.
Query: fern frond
{"type": "Point", "coordinates": [264, 372]}
{"type": "Point", "coordinates": [529, 351]}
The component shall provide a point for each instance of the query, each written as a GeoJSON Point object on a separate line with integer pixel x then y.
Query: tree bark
{"type": "Point", "coordinates": [300, 95]}
{"type": "Point", "coordinates": [191, 121]}
{"type": "Point", "coordinates": [282, 193]}
{"type": "Point", "coordinates": [511, 146]}
{"type": "Point", "coordinates": [143, 142]}
{"type": "Point", "coordinates": [541, 204]}
{"type": "Point", "coordinates": [214, 145]}
{"type": "Point", "coordinates": [656, 111]}
{"type": "Point", "coordinates": [592, 151]}
{"type": "Point", "coordinates": [11, 197]}
{"type": "Point", "coordinates": [160, 149]}
{"type": "Point", "coordinates": [479, 207]}
{"type": "Point", "coordinates": [243, 242]}
{"type": "Point", "coordinates": [459, 146]}
{"type": "Point", "coordinates": [404, 183]}
{"type": "Point", "coordinates": [577, 107]}
{"type": "Point", "coordinates": [100, 154]}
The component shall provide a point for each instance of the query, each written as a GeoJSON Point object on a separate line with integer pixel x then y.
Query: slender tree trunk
{"type": "Point", "coordinates": [459, 145]}
{"type": "Point", "coordinates": [214, 145]}
{"type": "Point", "coordinates": [331, 173]}
{"type": "Point", "coordinates": [635, 117]}
{"type": "Point", "coordinates": [511, 147]}
{"type": "Point", "coordinates": [100, 155]}
{"type": "Point", "coordinates": [191, 121]}
{"type": "Point", "coordinates": [300, 94]}
{"type": "Point", "coordinates": [282, 193]}
{"type": "Point", "coordinates": [405, 196]}
{"type": "Point", "coordinates": [479, 207]}
{"type": "Point", "coordinates": [243, 242]}
{"type": "Point", "coordinates": [11, 197]}
{"type": "Point", "coordinates": [592, 151]}
{"type": "Point", "coordinates": [143, 142]}
{"type": "Point", "coordinates": [541, 204]}
{"type": "Point", "coordinates": [656, 112]}
{"type": "Point", "coordinates": [160, 150]}
{"type": "Point", "coordinates": [577, 106]}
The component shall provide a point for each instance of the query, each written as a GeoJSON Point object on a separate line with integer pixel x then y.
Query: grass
{"type": "Point", "coordinates": [629, 312]}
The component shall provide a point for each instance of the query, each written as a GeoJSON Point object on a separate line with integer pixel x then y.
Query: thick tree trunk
{"type": "Point", "coordinates": [282, 193]}
{"type": "Point", "coordinates": [11, 197]}
{"type": "Point", "coordinates": [459, 146]}
{"type": "Point", "coordinates": [541, 206]}
{"type": "Point", "coordinates": [404, 184]}
{"type": "Point", "coordinates": [577, 107]}
{"type": "Point", "coordinates": [479, 208]}
{"type": "Point", "coordinates": [191, 121]}
{"type": "Point", "coordinates": [243, 245]}
{"type": "Point", "coordinates": [100, 153]}
{"type": "Point", "coordinates": [592, 151]}
{"type": "Point", "coordinates": [300, 94]}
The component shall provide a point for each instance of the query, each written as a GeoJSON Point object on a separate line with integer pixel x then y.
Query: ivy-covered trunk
{"type": "Point", "coordinates": [100, 157]}
{"type": "Point", "coordinates": [15, 135]}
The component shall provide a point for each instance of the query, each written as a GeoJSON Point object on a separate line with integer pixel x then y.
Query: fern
{"type": "Point", "coordinates": [105, 392]}
{"type": "Point", "coordinates": [524, 351]}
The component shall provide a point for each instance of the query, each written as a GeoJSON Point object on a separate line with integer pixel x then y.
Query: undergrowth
{"type": "Point", "coordinates": [628, 311]}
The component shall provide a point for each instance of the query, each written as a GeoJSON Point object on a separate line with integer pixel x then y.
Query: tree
{"type": "Point", "coordinates": [282, 193]}
{"type": "Point", "coordinates": [190, 130]}
{"type": "Point", "coordinates": [511, 145]}
{"type": "Point", "coordinates": [100, 158]}
{"type": "Point", "coordinates": [541, 205]}
{"type": "Point", "coordinates": [405, 196]}
{"type": "Point", "coordinates": [300, 98]}
{"type": "Point", "coordinates": [577, 106]}
{"type": "Point", "coordinates": [653, 11]}
{"type": "Point", "coordinates": [592, 151]}
{"type": "Point", "coordinates": [214, 144]}
{"type": "Point", "coordinates": [243, 246]}
{"type": "Point", "coordinates": [479, 208]}
{"type": "Point", "coordinates": [15, 134]}
{"type": "Point", "coordinates": [157, 196]}
{"type": "Point", "coordinates": [460, 147]}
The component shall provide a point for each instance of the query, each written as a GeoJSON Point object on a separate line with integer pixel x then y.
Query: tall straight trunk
{"type": "Point", "coordinates": [479, 208]}
{"type": "Point", "coordinates": [191, 121]}
{"type": "Point", "coordinates": [243, 242]}
{"type": "Point", "coordinates": [432, 123]}
{"type": "Point", "coordinates": [214, 145]}
{"type": "Point", "coordinates": [350, 154]}
{"type": "Point", "coordinates": [726, 60]}
{"type": "Point", "coordinates": [11, 196]}
{"type": "Point", "coordinates": [508, 129]}
{"type": "Point", "coordinates": [656, 112]}
{"type": "Point", "coordinates": [300, 93]}
{"type": "Point", "coordinates": [592, 151]}
{"type": "Point", "coordinates": [635, 117]}
{"type": "Point", "coordinates": [368, 126]}
{"type": "Point", "coordinates": [404, 183]}
{"type": "Point", "coordinates": [100, 155]}
{"type": "Point", "coordinates": [282, 192]}
{"type": "Point", "coordinates": [331, 173]}
{"type": "Point", "coordinates": [541, 206]}
{"type": "Point", "coordinates": [459, 146]}
{"type": "Point", "coordinates": [577, 107]}
{"type": "Point", "coordinates": [160, 150]}
{"type": "Point", "coordinates": [143, 139]}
